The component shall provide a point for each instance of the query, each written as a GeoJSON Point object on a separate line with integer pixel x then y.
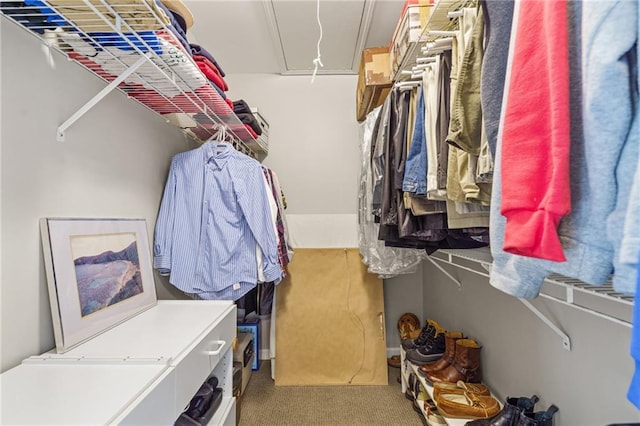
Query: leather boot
{"type": "Point", "coordinates": [450, 339]}
{"type": "Point", "coordinates": [540, 418]}
{"type": "Point", "coordinates": [510, 414]}
{"type": "Point", "coordinates": [465, 366]}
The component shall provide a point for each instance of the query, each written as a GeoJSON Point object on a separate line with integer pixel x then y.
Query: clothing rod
{"type": "Point", "coordinates": [407, 83]}
{"type": "Point", "coordinates": [426, 51]}
{"type": "Point", "coordinates": [442, 41]}
{"type": "Point", "coordinates": [454, 14]}
{"type": "Point", "coordinates": [442, 33]}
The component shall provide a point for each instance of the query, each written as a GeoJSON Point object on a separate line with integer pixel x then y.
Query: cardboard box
{"type": "Point", "coordinates": [374, 80]}
{"type": "Point", "coordinates": [408, 32]}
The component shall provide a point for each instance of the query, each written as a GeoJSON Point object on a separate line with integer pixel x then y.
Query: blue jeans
{"type": "Point", "coordinates": [415, 172]}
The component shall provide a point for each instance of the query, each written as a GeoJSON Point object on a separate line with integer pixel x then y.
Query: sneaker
{"type": "Point", "coordinates": [429, 330]}
{"type": "Point", "coordinates": [430, 352]}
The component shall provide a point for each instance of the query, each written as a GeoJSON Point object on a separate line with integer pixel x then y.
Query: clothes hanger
{"type": "Point", "coordinates": [220, 135]}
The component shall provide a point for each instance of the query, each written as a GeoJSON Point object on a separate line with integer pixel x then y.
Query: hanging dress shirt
{"type": "Point", "coordinates": [214, 211]}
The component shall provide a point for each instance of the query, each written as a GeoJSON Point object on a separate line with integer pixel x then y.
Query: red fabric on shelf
{"type": "Point", "coordinates": [535, 138]}
{"type": "Point", "coordinates": [210, 64]}
{"type": "Point", "coordinates": [251, 132]}
{"type": "Point", "coordinates": [212, 74]}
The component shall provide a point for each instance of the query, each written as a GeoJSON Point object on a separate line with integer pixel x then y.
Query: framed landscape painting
{"type": "Point", "coordinates": [99, 274]}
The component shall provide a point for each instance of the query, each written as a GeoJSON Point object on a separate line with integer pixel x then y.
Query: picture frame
{"type": "Point", "coordinates": [254, 329]}
{"type": "Point", "coordinates": [99, 274]}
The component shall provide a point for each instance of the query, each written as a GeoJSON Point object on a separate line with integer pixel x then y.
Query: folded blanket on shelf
{"type": "Point", "coordinates": [240, 106]}
{"type": "Point", "coordinates": [209, 70]}
{"type": "Point", "coordinates": [219, 90]}
{"type": "Point", "coordinates": [177, 26]}
{"type": "Point", "coordinates": [251, 132]}
{"type": "Point", "coordinates": [250, 119]}
{"type": "Point", "coordinates": [196, 49]}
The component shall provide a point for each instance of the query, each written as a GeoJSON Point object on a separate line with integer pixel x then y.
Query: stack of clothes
{"type": "Point", "coordinates": [242, 110]}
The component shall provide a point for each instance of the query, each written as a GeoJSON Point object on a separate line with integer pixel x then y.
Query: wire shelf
{"type": "Point", "coordinates": [600, 300]}
{"type": "Point", "coordinates": [108, 37]}
{"type": "Point", "coordinates": [439, 21]}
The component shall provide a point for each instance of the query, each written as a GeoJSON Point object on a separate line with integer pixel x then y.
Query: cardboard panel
{"type": "Point", "coordinates": [330, 328]}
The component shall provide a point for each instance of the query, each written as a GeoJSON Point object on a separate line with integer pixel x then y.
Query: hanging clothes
{"type": "Point", "coordinates": [384, 261]}
{"type": "Point", "coordinates": [396, 222]}
{"type": "Point", "coordinates": [214, 212]}
{"type": "Point", "coordinates": [465, 127]}
{"type": "Point", "coordinates": [535, 194]}
{"type": "Point", "coordinates": [399, 227]}
{"type": "Point", "coordinates": [604, 152]}
{"type": "Point", "coordinates": [430, 87]}
{"type": "Point", "coordinates": [498, 19]}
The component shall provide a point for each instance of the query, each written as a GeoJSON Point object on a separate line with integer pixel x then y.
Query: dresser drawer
{"type": "Point", "coordinates": [197, 364]}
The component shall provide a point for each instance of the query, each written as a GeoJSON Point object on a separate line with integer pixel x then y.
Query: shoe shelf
{"type": "Point", "coordinates": [129, 44]}
{"type": "Point", "coordinates": [602, 300]}
{"type": "Point", "coordinates": [406, 368]}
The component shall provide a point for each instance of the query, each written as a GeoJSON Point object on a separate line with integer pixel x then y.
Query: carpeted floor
{"type": "Point", "coordinates": [264, 404]}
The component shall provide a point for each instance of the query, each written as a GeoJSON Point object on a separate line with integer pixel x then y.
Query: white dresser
{"type": "Point", "coordinates": [143, 371]}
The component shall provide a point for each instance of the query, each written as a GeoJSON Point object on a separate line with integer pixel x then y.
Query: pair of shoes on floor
{"type": "Point", "coordinates": [429, 346]}
{"type": "Point", "coordinates": [518, 411]}
{"type": "Point", "coordinates": [394, 361]}
{"type": "Point", "coordinates": [460, 361]}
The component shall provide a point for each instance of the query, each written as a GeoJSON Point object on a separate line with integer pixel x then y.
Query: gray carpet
{"type": "Point", "coordinates": [264, 404]}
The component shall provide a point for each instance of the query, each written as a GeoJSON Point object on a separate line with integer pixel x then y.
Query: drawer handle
{"type": "Point", "coordinates": [216, 352]}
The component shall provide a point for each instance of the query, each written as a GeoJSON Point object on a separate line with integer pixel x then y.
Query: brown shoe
{"type": "Point", "coordinates": [465, 366]}
{"type": "Point", "coordinates": [394, 361]}
{"type": "Point", "coordinates": [467, 406]}
{"type": "Point", "coordinates": [407, 323]}
{"type": "Point", "coordinates": [450, 339]}
{"type": "Point", "coordinates": [459, 388]}
{"type": "Point", "coordinates": [414, 334]}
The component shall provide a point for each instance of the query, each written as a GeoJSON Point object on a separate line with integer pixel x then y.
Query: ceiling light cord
{"type": "Point", "coordinates": [317, 62]}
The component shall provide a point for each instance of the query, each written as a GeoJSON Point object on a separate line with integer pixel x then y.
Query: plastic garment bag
{"type": "Point", "coordinates": [384, 261]}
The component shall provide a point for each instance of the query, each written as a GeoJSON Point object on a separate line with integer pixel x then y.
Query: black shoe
{"type": "Point", "coordinates": [510, 414]}
{"type": "Point", "coordinates": [430, 352]}
{"type": "Point", "coordinates": [427, 330]}
{"type": "Point", "coordinates": [540, 418]}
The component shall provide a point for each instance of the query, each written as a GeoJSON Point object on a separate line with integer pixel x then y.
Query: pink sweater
{"type": "Point", "coordinates": [535, 138]}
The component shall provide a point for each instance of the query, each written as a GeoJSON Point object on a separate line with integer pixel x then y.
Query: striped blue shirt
{"type": "Point", "coordinates": [213, 213]}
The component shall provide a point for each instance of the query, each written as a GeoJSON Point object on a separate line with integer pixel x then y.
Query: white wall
{"type": "Point", "coordinates": [521, 356]}
{"type": "Point", "coordinates": [113, 163]}
{"type": "Point", "coordinates": [313, 137]}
